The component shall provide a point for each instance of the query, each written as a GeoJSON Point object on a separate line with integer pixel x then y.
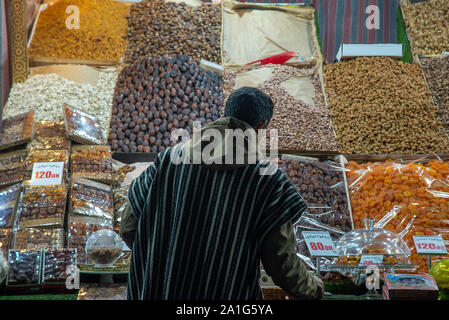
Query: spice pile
{"type": "Point", "coordinates": [159, 94]}
{"type": "Point", "coordinates": [157, 27]}
{"type": "Point", "coordinates": [437, 75]}
{"type": "Point", "coordinates": [301, 126]}
{"type": "Point", "coordinates": [380, 105]}
{"type": "Point", "coordinates": [46, 94]}
{"type": "Point", "coordinates": [428, 26]}
{"type": "Point", "coordinates": [414, 195]}
{"type": "Point", "coordinates": [101, 35]}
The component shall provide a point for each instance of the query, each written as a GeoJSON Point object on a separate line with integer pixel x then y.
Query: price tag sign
{"type": "Point", "coordinates": [371, 259]}
{"type": "Point", "coordinates": [430, 244]}
{"type": "Point", "coordinates": [47, 173]}
{"type": "Point", "coordinates": [319, 243]}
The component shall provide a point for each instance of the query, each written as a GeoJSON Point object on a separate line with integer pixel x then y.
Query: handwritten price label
{"type": "Point", "coordinates": [371, 259]}
{"type": "Point", "coordinates": [47, 173]}
{"type": "Point", "coordinates": [319, 243]}
{"type": "Point", "coordinates": [429, 245]}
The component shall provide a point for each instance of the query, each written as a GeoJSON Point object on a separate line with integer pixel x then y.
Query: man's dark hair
{"type": "Point", "coordinates": [249, 105]}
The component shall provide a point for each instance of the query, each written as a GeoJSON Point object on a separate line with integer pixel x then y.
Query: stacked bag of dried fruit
{"type": "Point", "coordinates": [406, 197]}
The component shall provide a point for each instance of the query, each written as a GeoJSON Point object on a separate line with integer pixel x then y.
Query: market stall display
{"type": "Point", "coordinates": [50, 135]}
{"type": "Point", "coordinates": [16, 130]}
{"type": "Point", "coordinates": [159, 27]}
{"type": "Point", "coordinates": [427, 26]}
{"type": "Point", "coordinates": [24, 268]}
{"type": "Point", "coordinates": [12, 167]}
{"type": "Point", "coordinates": [55, 265]}
{"type": "Point", "coordinates": [380, 105]}
{"type": "Point", "coordinates": [42, 206]}
{"type": "Point", "coordinates": [407, 197]}
{"type": "Point", "coordinates": [251, 32]}
{"type": "Point", "coordinates": [158, 94]}
{"type": "Point", "coordinates": [436, 71]}
{"type": "Point", "coordinates": [47, 93]}
{"type": "Point", "coordinates": [39, 238]}
{"type": "Point", "coordinates": [300, 113]}
{"type": "Point", "coordinates": [8, 204]}
{"type": "Point", "coordinates": [98, 38]}
{"type": "Point", "coordinates": [92, 162]}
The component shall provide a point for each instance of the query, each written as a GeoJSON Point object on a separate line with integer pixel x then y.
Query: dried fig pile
{"type": "Point", "coordinates": [159, 94]}
{"type": "Point", "coordinates": [380, 105]}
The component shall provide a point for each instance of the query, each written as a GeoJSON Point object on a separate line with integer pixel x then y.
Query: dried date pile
{"type": "Point", "coordinates": [437, 75]}
{"type": "Point", "coordinates": [380, 105]}
{"type": "Point", "coordinates": [322, 187]}
{"type": "Point", "coordinates": [158, 94]}
{"type": "Point", "coordinates": [157, 27]}
{"type": "Point", "coordinates": [300, 126]}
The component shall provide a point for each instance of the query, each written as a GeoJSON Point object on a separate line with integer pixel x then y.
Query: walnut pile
{"type": "Point", "coordinates": [380, 105]}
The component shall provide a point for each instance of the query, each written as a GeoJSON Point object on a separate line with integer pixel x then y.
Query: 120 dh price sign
{"type": "Point", "coordinates": [47, 173]}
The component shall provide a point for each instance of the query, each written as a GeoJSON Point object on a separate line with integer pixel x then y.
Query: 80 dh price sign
{"type": "Point", "coordinates": [47, 173]}
{"type": "Point", "coordinates": [319, 243]}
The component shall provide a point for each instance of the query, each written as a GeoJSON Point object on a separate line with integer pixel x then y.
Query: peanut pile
{"type": "Point", "coordinates": [157, 27]}
{"type": "Point", "coordinates": [380, 105]}
{"type": "Point", "coordinates": [428, 26]}
{"type": "Point", "coordinates": [437, 75]}
{"type": "Point", "coordinates": [300, 126]}
{"type": "Point", "coordinates": [101, 34]}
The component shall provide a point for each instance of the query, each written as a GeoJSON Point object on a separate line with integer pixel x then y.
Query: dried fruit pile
{"type": "Point", "coordinates": [101, 34]}
{"type": "Point", "coordinates": [157, 27]}
{"type": "Point", "coordinates": [437, 75]}
{"type": "Point", "coordinates": [380, 105]}
{"type": "Point", "coordinates": [415, 196]}
{"type": "Point", "coordinates": [301, 126]}
{"type": "Point", "coordinates": [428, 26]}
{"type": "Point", "coordinates": [159, 94]}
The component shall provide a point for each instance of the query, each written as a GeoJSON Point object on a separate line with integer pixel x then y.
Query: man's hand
{"type": "Point", "coordinates": [320, 288]}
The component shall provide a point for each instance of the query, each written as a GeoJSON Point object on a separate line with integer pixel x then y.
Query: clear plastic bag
{"type": "Point", "coordinates": [24, 267]}
{"type": "Point", "coordinates": [8, 204]}
{"type": "Point", "coordinates": [79, 229]}
{"type": "Point", "coordinates": [48, 155]}
{"type": "Point", "coordinates": [16, 130]}
{"type": "Point", "coordinates": [408, 196]}
{"type": "Point", "coordinates": [55, 264]}
{"type": "Point", "coordinates": [39, 238]}
{"type": "Point", "coordinates": [322, 185]}
{"type": "Point", "coordinates": [82, 127]}
{"type": "Point", "coordinates": [42, 206]}
{"type": "Point", "coordinates": [50, 135]}
{"type": "Point", "coordinates": [92, 162]}
{"type": "Point", "coordinates": [12, 167]}
{"type": "Point", "coordinates": [91, 198]}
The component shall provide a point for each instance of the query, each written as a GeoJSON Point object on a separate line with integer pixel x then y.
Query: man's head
{"type": "Point", "coordinates": [250, 105]}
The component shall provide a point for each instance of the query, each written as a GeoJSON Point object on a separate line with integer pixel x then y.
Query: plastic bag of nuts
{"type": "Point", "coordinates": [24, 267]}
{"type": "Point", "coordinates": [90, 198]}
{"type": "Point", "coordinates": [79, 229]}
{"type": "Point", "coordinates": [39, 238]}
{"type": "Point", "coordinates": [50, 135]}
{"type": "Point", "coordinates": [42, 206]}
{"type": "Point", "coordinates": [16, 130]}
{"type": "Point", "coordinates": [12, 167]}
{"type": "Point", "coordinates": [55, 264]}
{"type": "Point", "coordinates": [47, 155]}
{"type": "Point", "coordinates": [321, 184]}
{"type": "Point", "coordinates": [92, 162]}
{"type": "Point", "coordinates": [82, 127]}
{"type": "Point", "coordinates": [8, 202]}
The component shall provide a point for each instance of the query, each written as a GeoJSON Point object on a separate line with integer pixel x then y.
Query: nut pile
{"type": "Point", "coordinates": [437, 75]}
{"type": "Point", "coordinates": [47, 93]}
{"type": "Point", "coordinates": [24, 267]}
{"type": "Point", "coordinates": [157, 27]}
{"type": "Point", "coordinates": [380, 105]}
{"type": "Point", "coordinates": [56, 262]}
{"type": "Point", "coordinates": [101, 34]}
{"type": "Point", "coordinates": [159, 94]}
{"type": "Point", "coordinates": [300, 126]}
{"type": "Point", "coordinates": [322, 187]}
{"type": "Point", "coordinates": [428, 26]}
{"type": "Point", "coordinates": [412, 193]}
{"type": "Point", "coordinates": [104, 255]}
